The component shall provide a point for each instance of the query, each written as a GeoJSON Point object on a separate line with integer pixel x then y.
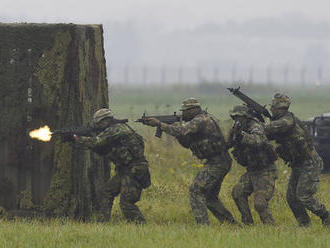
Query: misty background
{"type": "Point", "coordinates": [158, 41]}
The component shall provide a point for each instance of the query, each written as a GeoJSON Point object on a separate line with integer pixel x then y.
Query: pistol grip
{"type": "Point", "coordinates": [159, 132]}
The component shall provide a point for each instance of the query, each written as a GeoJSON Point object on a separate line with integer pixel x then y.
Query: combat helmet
{"type": "Point", "coordinates": [102, 114]}
{"type": "Point", "coordinates": [281, 101]}
{"type": "Point", "coordinates": [240, 110]}
{"type": "Point", "coordinates": [189, 104]}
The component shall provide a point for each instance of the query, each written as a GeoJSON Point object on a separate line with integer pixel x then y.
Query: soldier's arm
{"type": "Point", "coordinates": [109, 135]}
{"type": "Point", "coordinates": [192, 126]}
{"type": "Point", "coordinates": [255, 137]}
{"type": "Point", "coordinates": [279, 126]}
{"type": "Point", "coordinates": [230, 140]}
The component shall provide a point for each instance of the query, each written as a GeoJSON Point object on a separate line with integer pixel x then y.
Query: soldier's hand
{"type": "Point", "coordinates": [151, 122]}
{"type": "Point", "coordinates": [237, 131]}
{"type": "Point", "coordinates": [69, 137]}
{"type": "Point", "coordinates": [237, 126]}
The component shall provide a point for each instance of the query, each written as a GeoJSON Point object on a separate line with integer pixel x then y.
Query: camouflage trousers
{"type": "Point", "coordinates": [303, 184]}
{"type": "Point", "coordinates": [130, 187]}
{"type": "Point", "coordinates": [204, 192]}
{"type": "Point", "coordinates": [262, 185]}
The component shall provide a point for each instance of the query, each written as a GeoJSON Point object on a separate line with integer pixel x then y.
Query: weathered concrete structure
{"type": "Point", "coordinates": [52, 74]}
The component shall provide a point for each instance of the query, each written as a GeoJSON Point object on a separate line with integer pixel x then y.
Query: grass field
{"type": "Point", "coordinates": [166, 203]}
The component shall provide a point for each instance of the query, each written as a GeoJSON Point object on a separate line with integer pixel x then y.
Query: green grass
{"type": "Point", "coordinates": [166, 203]}
{"type": "Point", "coordinates": [72, 234]}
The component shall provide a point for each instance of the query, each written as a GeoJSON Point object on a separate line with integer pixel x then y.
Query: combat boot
{"type": "Point", "coordinates": [103, 217]}
{"type": "Point", "coordinates": [326, 219]}
{"type": "Point", "coordinates": [104, 213]}
{"type": "Point", "coordinates": [304, 222]}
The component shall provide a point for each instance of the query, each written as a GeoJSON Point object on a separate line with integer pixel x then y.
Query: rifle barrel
{"type": "Point", "coordinates": [250, 102]}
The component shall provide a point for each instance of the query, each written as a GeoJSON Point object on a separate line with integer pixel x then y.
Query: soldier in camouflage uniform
{"type": "Point", "coordinates": [120, 144]}
{"type": "Point", "coordinates": [297, 150]}
{"type": "Point", "coordinates": [203, 136]}
{"type": "Point", "coordinates": [253, 151]}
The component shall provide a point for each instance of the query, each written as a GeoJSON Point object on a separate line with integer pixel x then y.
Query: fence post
{"type": "Point", "coordinates": [216, 75]}
{"type": "Point", "coordinates": [180, 75]}
{"type": "Point", "coordinates": [285, 74]}
{"type": "Point", "coordinates": [163, 75]}
{"type": "Point", "coordinates": [251, 74]}
{"type": "Point", "coordinates": [233, 73]}
{"type": "Point", "coordinates": [320, 74]}
{"type": "Point", "coordinates": [126, 75]}
{"type": "Point", "coordinates": [303, 75]}
{"type": "Point", "coordinates": [269, 74]}
{"type": "Point", "coordinates": [199, 75]}
{"type": "Point", "coordinates": [144, 75]}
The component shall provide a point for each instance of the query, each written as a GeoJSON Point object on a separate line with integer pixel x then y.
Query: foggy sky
{"type": "Point", "coordinates": [193, 33]}
{"type": "Point", "coordinates": [167, 13]}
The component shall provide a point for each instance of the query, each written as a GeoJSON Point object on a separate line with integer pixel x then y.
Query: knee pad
{"type": "Point", "coordinates": [260, 203]}
{"type": "Point", "coordinates": [236, 192]}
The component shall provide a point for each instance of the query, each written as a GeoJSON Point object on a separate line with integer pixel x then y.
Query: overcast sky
{"type": "Point", "coordinates": [168, 13]}
{"type": "Point", "coordinates": [226, 34]}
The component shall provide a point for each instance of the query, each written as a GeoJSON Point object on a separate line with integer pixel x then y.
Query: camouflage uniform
{"type": "Point", "coordinates": [252, 150]}
{"type": "Point", "coordinates": [297, 150]}
{"type": "Point", "coordinates": [203, 136]}
{"type": "Point", "coordinates": [121, 145]}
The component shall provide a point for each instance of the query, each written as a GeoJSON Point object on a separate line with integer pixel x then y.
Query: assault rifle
{"type": "Point", "coordinates": [168, 119]}
{"type": "Point", "coordinates": [67, 133]}
{"type": "Point", "coordinates": [257, 109]}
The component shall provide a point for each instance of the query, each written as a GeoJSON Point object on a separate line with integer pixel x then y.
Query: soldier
{"type": "Point", "coordinates": [203, 136]}
{"type": "Point", "coordinates": [297, 150]}
{"type": "Point", "coordinates": [120, 144]}
{"type": "Point", "coordinates": [253, 151]}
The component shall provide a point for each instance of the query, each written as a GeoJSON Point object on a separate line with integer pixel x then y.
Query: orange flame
{"type": "Point", "coordinates": [43, 134]}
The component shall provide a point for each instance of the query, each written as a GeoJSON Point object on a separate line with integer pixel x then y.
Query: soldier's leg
{"type": "Point", "coordinates": [263, 188]}
{"type": "Point", "coordinates": [295, 205]}
{"type": "Point", "coordinates": [240, 194]}
{"type": "Point", "coordinates": [307, 186]}
{"type": "Point", "coordinates": [198, 197]}
{"type": "Point", "coordinates": [130, 193]}
{"type": "Point", "coordinates": [213, 202]}
{"type": "Point", "coordinates": [111, 190]}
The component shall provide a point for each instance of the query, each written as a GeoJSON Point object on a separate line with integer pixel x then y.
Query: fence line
{"type": "Point", "coordinates": [268, 74]}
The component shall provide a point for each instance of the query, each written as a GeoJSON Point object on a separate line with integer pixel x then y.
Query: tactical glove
{"type": "Point", "coordinates": [69, 137]}
{"type": "Point", "coordinates": [153, 122]}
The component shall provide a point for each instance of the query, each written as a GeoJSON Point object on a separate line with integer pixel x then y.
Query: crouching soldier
{"type": "Point", "coordinates": [296, 148]}
{"type": "Point", "coordinates": [252, 150]}
{"type": "Point", "coordinates": [120, 144]}
{"type": "Point", "coordinates": [202, 135]}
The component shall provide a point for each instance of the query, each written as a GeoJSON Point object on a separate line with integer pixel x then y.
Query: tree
{"type": "Point", "coordinates": [50, 74]}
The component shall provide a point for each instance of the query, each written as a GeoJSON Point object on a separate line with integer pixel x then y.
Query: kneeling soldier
{"type": "Point", "coordinates": [203, 136]}
{"type": "Point", "coordinates": [253, 151]}
{"type": "Point", "coordinates": [120, 144]}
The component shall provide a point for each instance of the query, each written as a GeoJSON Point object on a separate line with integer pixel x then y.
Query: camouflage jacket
{"type": "Point", "coordinates": [119, 143]}
{"type": "Point", "coordinates": [253, 149]}
{"type": "Point", "coordinates": [295, 142]}
{"type": "Point", "coordinates": [202, 135]}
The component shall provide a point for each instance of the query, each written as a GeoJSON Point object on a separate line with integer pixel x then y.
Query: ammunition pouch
{"type": "Point", "coordinates": [206, 148]}
{"type": "Point", "coordinates": [294, 152]}
{"type": "Point", "coordinates": [184, 141]}
{"type": "Point", "coordinates": [127, 151]}
{"type": "Point", "coordinates": [271, 154]}
{"type": "Point", "coordinates": [255, 157]}
{"type": "Point", "coordinates": [296, 145]}
{"type": "Point", "coordinates": [239, 157]}
{"type": "Point", "coordinates": [141, 173]}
